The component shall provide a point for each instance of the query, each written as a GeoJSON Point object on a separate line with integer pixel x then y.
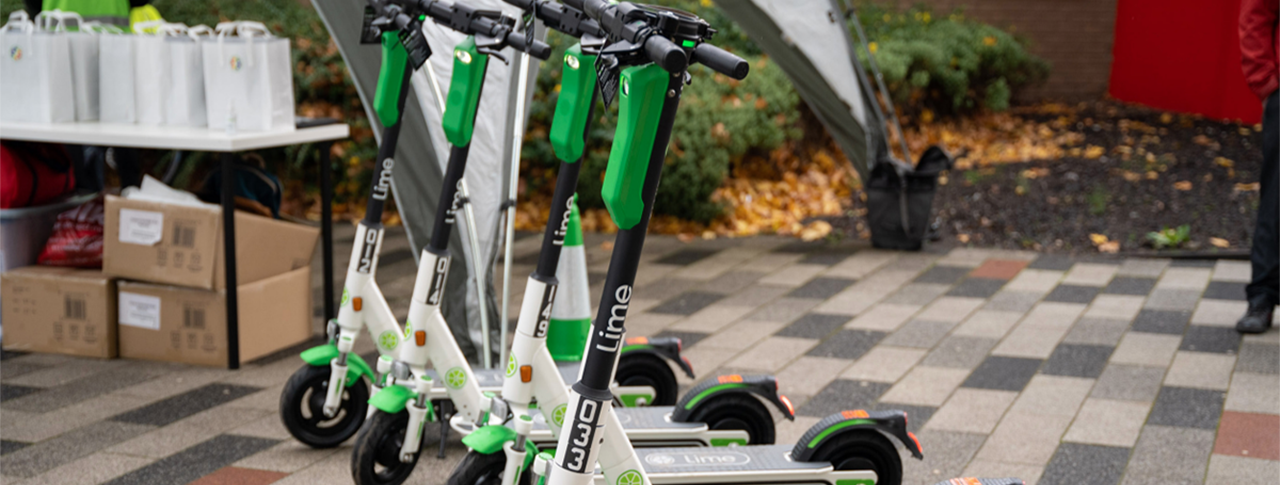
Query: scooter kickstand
{"type": "Point", "coordinates": [445, 414]}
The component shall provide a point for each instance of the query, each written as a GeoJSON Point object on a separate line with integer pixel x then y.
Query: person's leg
{"type": "Point", "coordinates": [1263, 291]}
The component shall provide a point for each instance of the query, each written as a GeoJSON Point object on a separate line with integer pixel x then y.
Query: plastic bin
{"type": "Point", "coordinates": [24, 231]}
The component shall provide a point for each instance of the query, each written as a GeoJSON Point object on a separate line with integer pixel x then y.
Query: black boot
{"type": "Point", "coordinates": [1257, 319]}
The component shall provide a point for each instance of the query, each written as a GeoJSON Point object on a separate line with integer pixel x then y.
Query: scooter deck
{"type": "Point", "coordinates": [722, 460]}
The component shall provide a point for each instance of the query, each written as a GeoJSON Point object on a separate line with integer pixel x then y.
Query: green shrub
{"type": "Point", "coordinates": [947, 64]}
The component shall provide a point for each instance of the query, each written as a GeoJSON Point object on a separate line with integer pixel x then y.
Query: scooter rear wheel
{"type": "Point", "coordinates": [481, 469]}
{"type": "Point", "coordinates": [376, 458]}
{"type": "Point", "coordinates": [863, 450]}
{"type": "Point", "coordinates": [649, 370]}
{"type": "Point", "coordinates": [737, 411]}
{"type": "Point", "coordinates": [302, 408]}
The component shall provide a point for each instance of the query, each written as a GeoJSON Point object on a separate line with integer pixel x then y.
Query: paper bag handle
{"type": "Point", "coordinates": [199, 30]}
{"type": "Point", "coordinates": [46, 20]}
{"type": "Point", "coordinates": [19, 20]}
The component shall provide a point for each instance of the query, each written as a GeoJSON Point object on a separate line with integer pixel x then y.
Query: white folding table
{"type": "Point", "coordinates": [206, 140]}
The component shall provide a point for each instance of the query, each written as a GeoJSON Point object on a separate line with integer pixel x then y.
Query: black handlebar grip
{"type": "Point", "coordinates": [721, 61]}
{"type": "Point", "coordinates": [525, 5]}
{"type": "Point", "coordinates": [665, 53]}
{"type": "Point", "coordinates": [534, 47]}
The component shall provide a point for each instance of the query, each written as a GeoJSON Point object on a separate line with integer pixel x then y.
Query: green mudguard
{"type": "Point", "coordinates": [577, 84]}
{"type": "Point", "coordinates": [322, 355]}
{"type": "Point", "coordinates": [386, 100]}
{"type": "Point", "coordinates": [463, 99]}
{"type": "Point", "coordinates": [489, 439]}
{"type": "Point", "coordinates": [640, 94]}
{"type": "Point", "coordinates": [392, 399]}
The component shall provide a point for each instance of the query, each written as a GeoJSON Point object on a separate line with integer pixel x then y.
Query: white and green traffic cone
{"type": "Point", "coordinates": [571, 314]}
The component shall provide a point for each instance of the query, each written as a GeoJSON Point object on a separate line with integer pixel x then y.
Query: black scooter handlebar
{"type": "Point", "coordinates": [721, 61]}
{"type": "Point", "coordinates": [665, 53]}
{"type": "Point", "coordinates": [534, 47]}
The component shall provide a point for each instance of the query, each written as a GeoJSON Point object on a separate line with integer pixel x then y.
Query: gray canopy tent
{"type": "Point", "coordinates": [421, 154]}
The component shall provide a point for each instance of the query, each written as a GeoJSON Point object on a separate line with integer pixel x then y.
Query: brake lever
{"type": "Point", "coordinates": [592, 45]}
{"type": "Point", "coordinates": [490, 46]}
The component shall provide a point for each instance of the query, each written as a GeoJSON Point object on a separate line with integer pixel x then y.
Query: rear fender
{"type": "Point", "coordinates": [322, 355]}
{"type": "Point", "coordinates": [668, 348]}
{"type": "Point", "coordinates": [761, 385]}
{"type": "Point", "coordinates": [892, 423]}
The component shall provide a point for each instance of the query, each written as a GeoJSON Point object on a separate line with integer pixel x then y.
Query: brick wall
{"type": "Point", "coordinates": [1075, 36]}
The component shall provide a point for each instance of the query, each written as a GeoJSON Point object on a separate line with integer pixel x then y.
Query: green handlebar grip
{"type": "Point", "coordinates": [386, 99]}
{"type": "Point", "coordinates": [577, 84]}
{"type": "Point", "coordinates": [640, 94]}
{"type": "Point", "coordinates": [463, 99]}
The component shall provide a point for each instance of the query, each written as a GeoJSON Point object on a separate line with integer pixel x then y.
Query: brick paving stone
{"type": "Point", "coordinates": [784, 309]}
{"type": "Point", "coordinates": [1052, 262]}
{"type": "Point", "coordinates": [1234, 470]}
{"type": "Point", "coordinates": [1092, 331]}
{"type": "Point", "coordinates": [1221, 313]}
{"type": "Point", "coordinates": [1076, 463]}
{"type": "Point", "coordinates": [977, 288]}
{"type": "Point", "coordinates": [960, 352]}
{"type": "Point", "coordinates": [1142, 267]}
{"type": "Point", "coordinates": [884, 364]}
{"type": "Point", "coordinates": [1034, 281]}
{"type": "Point", "coordinates": [1012, 301]}
{"type": "Point", "coordinates": [1090, 274]}
{"type": "Point", "coordinates": [772, 353]}
{"type": "Point", "coordinates": [949, 453]}
{"type": "Point", "coordinates": [1249, 435]}
{"type": "Point", "coordinates": [794, 275]}
{"type": "Point", "coordinates": [1115, 307]}
{"type": "Point", "coordinates": [1003, 373]}
{"type": "Point", "coordinates": [1225, 290]}
{"type": "Point", "coordinates": [814, 325]}
{"type": "Point", "coordinates": [972, 410]}
{"type": "Point", "coordinates": [990, 324]}
{"type": "Point", "coordinates": [1146, 349]}
{"type": "Point", "coordinates": [947, 275]}
{"type": "Point", "coordinates": [1170, 322]}
{"type": "Point", "coordinates": [1187, 408]}
{"type": "Point", "coordinates": [686, 303]}
{"type": "Point", "coordinates": [1166, 299]}
{"type": "Point", "coordinates": [1025, 439]}
{"type": "Point", "coordinates": [847, 344]}
{"type": "Point", "coordinates": [1052, 396]}
{"type": "Point", "coordinates": [843, 394]}
{"type": "Point", "coordinates": [1129, 285]}
{"type": "Point", "coordinates": [1233, 271]}
{"type": "Point", "coordinates": [240, 476]}
{"type": "Point", "coordinates": [1211, 339]}
{"type": "Point", "coordinates": [1107, 422]}
{"type": "Point", "coordinates": [1072, 294]}
{"type": "Point", "coordinates": [998, 269]}
{"type": "Point", "coordinates": [821, 288]}
{"type": "Point", "coordinates": [928, 386]}
{"type": "Point", "coordinates": [949, 309]}
{"type": "Point", "coordinates": [741, 335]}
{"type": "Point", "coordinates": [1166, 455]}
{"type": "Point", "coordinates": [1254, 393]}
{"type": "Point", "coordinates": [918, 294]}
{"type": "Point", "coordinates": [1200, 370]}
{"type": "Point", "coordinates": [919, 334]}
{"type": "Point", "coordinates": [1077, 360]}
{"type": "Point", "coordinates": [1129, 383]}
{"type": "Point", "coordinates": [1184, 278]}
{"type": "Point", "coordinates": [1258, 358]}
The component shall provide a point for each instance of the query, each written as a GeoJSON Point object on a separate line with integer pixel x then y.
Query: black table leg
{"type": "Point", "coordinates": [326, 229]}
{"type": "Point", "coordinates": [229, 243]}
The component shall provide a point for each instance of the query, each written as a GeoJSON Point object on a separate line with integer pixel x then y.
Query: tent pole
{"type": "Point", "coordinates": [875, 69]}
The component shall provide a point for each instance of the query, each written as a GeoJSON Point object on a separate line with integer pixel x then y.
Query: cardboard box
{"type": "Point", "coordinates": [188, 325]}
{"type": "Point", "coordinates": [59, 310]}
{"type": "Point", "coordinates": [181, 245]}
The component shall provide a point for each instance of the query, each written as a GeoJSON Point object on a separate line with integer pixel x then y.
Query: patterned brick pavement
{"type": "Point", "coordinates": [1057, 370]}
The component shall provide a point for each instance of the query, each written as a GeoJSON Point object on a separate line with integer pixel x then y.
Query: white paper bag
{"type": "Point", "coordinates": [83, 44]}
{"type": "Point", "coordinates": [184, 104]}
{"type": "Point", "coordinates": [35, 74]}
{"type": "Point", "coordinates": [116, 62]}
{"type": "Point", "coordinates": [248, 79]}
{"type": "Point", "coordinates": [152, 72]}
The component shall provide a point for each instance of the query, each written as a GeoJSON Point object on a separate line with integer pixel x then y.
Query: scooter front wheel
{"type": "Point", "coordinates": [302, 408]}
{"type": "Point", "coordinates": [481, 469]}
{"type": "Point", "coordinates": [638, 369]}
{"type": "Point", "coordinates": [863, 450]}
{"type": "Point", "coordinates": [376, 458]}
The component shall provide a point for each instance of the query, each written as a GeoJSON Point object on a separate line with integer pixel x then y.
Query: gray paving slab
{"type": "Point", "coordinates": [920, 334]}
{"type": "Point", "coordinates": [949, 453]}
{"type": "Point", "coordinates": [1129, 285]}
{"type": "Point", "coordinates": [1054, 262]}
{"type": "Point", "coordinates": [1220, 340]}
{"type": "Point", "coordinates": [1172, 322]}
{"type": "Point", "coordinates": [1225, 290]}
{"type": "Point", "coordinates": [48, 454]}
{"type": "Point", "coordinates": [1072, 294]}
{"type": "Point", "coordinates": [1076, 360]}
{"type": "Point", "coordinates": [814, 325]}
{"type": "Point", "coordinates": [686, 303]}
{"type": "Point", "coordinates": [1003, 373]}
{"type": "Point", "coordinates": [977, 287]}
{"type": "Point", "coordinates": [196, 461]}
{"type": "Point", "coordinates": [1076, 463]}
{"type": "Point", "coordinates": [784, 309]}
{"type": "Point", "coordinates": [166, 411]}
{"type": "Point", "coordinates": [1185, 407]}
{"type": "Point", "coordinates": [1096, 331]}
{"type": "Point", "coordinates": [821, 288]}
{"type": "Point", "coordinates": [1129, 383]}
{"type": "Point", "coordinates": [847, 344]}
{"type": "Point", "coordinates": [1167, 455]}
{"type": "Point", "coordinates": [841, 395]}
{"type": "Point", "coordinates": [1258, 358]}
{"type": "Point", "coordinates": [960, 352]}
{"type": "Point", "coordinates": [947, 275]}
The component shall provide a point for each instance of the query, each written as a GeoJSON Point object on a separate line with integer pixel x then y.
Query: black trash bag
{"type": "Point", "coordinates": [898, 206]}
